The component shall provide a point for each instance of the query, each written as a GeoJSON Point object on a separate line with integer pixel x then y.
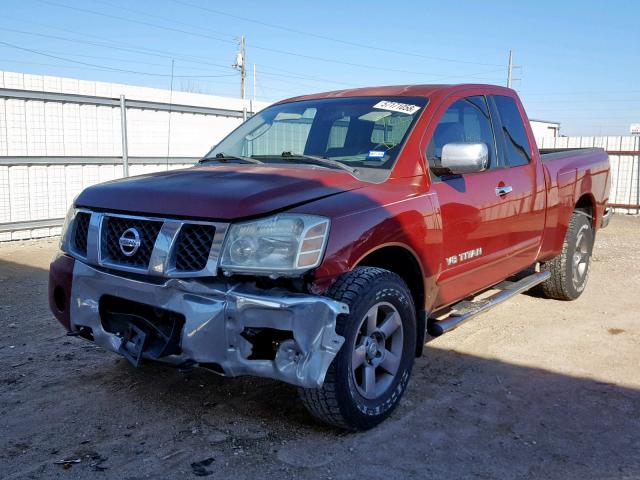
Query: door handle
{"type": "Point", "coordinates": [503, 190]}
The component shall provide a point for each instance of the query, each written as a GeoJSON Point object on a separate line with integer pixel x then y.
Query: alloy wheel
{"type": "Point", "coordinates": [377, 350]}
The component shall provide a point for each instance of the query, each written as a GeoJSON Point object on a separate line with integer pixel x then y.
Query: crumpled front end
{"type": "Point", "coordinates": [234, 328]}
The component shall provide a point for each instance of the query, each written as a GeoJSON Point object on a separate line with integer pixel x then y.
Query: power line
{"type": "Point", "coordinates": [573, 92]}
{"type": "Point", "coordinates": [115, 59]}
{"type": "Point", "coordinates": [155, 53]}
{"type": "Point", "coordinates": [116, 46]}
{"type": "Point", "coordinates": [136, 61]}
{"type": "Point", "coordinates": [128, 47]}
{"type": "Point", "coordinates": [139, 22]}
{"type": "Point", "coordinates": [160, 17]}
{"type": "Point", "coordinates": [76, 67]}
{"type": "Point", "coordinates": [274, 50]}
{"type": "Point", "coordinates": [125, 60]}
{"type": "Point", "coordinates": [592, 101]}
{"type": "Point", "coordinates": [291, 74]}
{"type": "Point", "coordinates": [189, 59]}
{"type": "Point", "coordinates": [184, 87]}
{"type": "Point", "coordinates": [292, 30]}
{"type": "Point", "coordinates": [103, 67]}
{"type": "Point", "coordinates": [333, 39]}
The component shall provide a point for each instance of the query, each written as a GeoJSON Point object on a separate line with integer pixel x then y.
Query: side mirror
{"type": "Point", "coordinates": [461, 158]}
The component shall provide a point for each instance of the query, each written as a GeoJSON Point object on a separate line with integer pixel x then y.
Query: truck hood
{"type": "Point", "coordinates": [218, 192]}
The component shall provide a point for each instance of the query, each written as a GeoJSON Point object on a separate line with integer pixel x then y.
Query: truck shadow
{"type": "Point", "coordinates": [487, 409]}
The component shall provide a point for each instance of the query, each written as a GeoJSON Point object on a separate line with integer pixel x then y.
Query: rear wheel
{"type": "Point", "coordinates": [570, 270]}
{"type": "Point", "coordinates": [367, 378]}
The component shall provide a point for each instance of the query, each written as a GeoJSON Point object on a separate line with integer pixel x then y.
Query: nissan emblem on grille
{"type": "Point", "coordinates": [129, 242]}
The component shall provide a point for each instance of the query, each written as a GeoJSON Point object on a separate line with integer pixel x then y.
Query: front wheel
{"type": "Point", "coordinates": [367, 378]}
{"type": "Point", "coordinates": [570, 270]}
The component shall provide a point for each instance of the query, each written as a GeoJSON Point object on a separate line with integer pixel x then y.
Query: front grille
{"type": "Point", "coordinates": [177, 248]}
{"type": "Point", "coordinates": [81, 231]}
{"type": "Point", "coordinates": [192, 246]}
{"type": "Point", "coordinates": [112, 230]}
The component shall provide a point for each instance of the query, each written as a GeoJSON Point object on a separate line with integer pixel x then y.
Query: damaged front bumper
{"type": "Point", "coordinates": [217, 324]}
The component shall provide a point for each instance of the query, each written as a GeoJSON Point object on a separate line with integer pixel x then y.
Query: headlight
{"type": "Point", "coordinates": [64, 232]}
{"type": "Point", "coordinates": [285, 244]}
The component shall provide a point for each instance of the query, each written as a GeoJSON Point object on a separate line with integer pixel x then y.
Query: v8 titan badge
{"type": "Point", "coordinates": [461, 257]}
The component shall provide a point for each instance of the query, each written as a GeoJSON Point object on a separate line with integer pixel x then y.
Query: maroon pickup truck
{"type": "Point", "coordinates": [323, 239]}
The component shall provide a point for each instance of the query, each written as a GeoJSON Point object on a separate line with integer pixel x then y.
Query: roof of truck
{"type": "Point", "coordinates": [393, 90]}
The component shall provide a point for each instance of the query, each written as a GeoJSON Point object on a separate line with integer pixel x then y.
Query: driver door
{"type": "Point", "coordinates": [475, 242]}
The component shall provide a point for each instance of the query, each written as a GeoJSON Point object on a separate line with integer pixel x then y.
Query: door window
{"type": "Point", "coordinates": [466, 120]}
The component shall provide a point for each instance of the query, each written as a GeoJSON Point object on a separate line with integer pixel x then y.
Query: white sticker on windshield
{"type": "Point", "coordinates": [375, 154]}
{"type": "Point", "coordinates": [397, 107]}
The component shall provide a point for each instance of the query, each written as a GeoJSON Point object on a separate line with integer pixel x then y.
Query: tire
{"type": "Point", "coordinates": [570, 270]}
{"type": "Point", "coordinates": [380, 337]}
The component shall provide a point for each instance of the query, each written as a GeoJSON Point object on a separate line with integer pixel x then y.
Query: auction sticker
{"type": "Point", "coordinates": [375, 154]}
{"type": "Point", "coordinates": [397, 107]}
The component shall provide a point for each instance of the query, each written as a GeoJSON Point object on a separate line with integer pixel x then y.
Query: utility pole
{"type": "Point", "coordinates": [254, 83]}
{"type": "Point", "coordinates": [240, 64]}
{"type": "Point", "coordinates": [510, 68]}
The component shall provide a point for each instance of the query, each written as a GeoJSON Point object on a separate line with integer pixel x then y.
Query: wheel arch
{"type": "Point", "coordinates": [403, 261]}
{"type": "Point", "coordinates": [587, 203]}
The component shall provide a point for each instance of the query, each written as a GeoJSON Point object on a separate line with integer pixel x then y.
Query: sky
{"type": "Point", "coordinates": [578, 61]}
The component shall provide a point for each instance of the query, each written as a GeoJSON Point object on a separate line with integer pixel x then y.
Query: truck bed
{"type": "Point", "coordinates": [568, 175]}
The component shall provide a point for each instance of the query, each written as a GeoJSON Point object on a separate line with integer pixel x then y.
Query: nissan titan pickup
{"type": "Point", "coordinates": [328, 237]}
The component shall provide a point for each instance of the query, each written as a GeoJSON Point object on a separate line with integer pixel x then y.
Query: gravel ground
{"type": "Point", "coordinates": [533, 389]}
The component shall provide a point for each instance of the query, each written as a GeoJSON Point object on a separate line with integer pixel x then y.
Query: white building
{"type": "Point", "coordinates": [544, 129]}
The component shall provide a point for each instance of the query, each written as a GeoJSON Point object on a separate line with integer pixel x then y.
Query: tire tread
{"type": "Point", "coordinates": [557, 286]}
{"type": "Point", "coordinates": [322, 402]}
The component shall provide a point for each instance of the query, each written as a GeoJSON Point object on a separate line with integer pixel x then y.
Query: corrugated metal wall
{"type": "Point", "coordinates": [52, 148]}
{"type": "Point", "coordinates": [43, 128]}
{"type": "Point", "coordinates": [29, 193]}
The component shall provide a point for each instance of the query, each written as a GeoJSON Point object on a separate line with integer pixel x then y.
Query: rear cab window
{"type": "Point", "coordinates": [517, 149]}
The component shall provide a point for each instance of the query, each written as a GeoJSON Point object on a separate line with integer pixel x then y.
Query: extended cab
{"type": "Point", "coordinates": [321, 240]}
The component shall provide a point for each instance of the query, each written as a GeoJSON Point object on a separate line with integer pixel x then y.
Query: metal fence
{"type": "Point", "coordinates": [624, 155]}
{"type": "Point", "coordinates": [55, 144]}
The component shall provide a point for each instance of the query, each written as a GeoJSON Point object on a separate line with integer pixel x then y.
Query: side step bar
{"type": "Point", "coordinates": [465, 310]}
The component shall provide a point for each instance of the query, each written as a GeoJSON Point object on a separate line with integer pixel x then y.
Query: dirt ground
{"type": "Point", "coordinates": [533, 389]}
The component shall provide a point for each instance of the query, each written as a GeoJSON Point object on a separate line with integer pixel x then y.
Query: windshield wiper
{"type": "Point", "coordinates": [321, 160]}
{"type": "Point", "coordinates": [221, 157]}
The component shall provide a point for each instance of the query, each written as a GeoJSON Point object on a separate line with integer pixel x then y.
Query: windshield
{"type": "Point", "coordinates": [355, 133]}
